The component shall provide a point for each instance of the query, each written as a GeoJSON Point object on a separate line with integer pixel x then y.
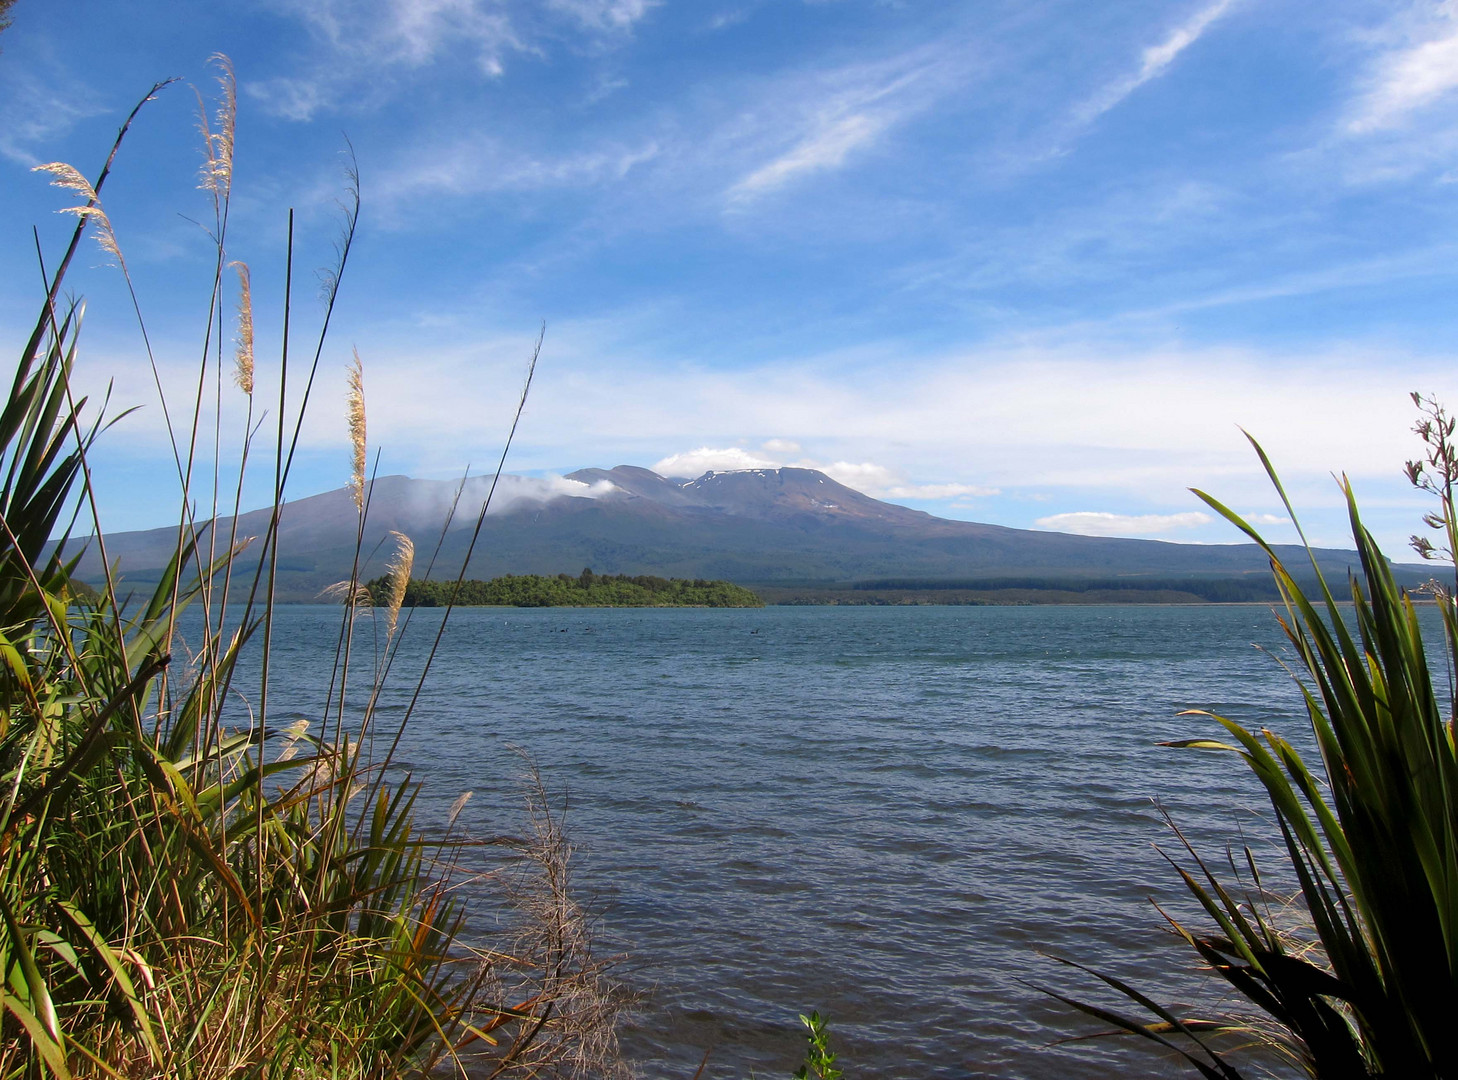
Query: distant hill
{"type": "Point", "coordinates": [790, 527]}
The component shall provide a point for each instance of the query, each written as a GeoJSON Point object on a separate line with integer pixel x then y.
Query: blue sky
{"type": "Point", "coordinates": [1032, 263]}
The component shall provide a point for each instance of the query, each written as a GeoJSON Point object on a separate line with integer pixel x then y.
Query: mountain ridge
{"type": "Point", "coordinates": [749, 526]}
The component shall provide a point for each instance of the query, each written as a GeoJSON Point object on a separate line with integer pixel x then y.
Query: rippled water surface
{"type": "Point", "coordinates": [888, 814]}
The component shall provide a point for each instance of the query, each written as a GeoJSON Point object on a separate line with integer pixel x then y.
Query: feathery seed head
{"type": "Point", "coordinates": [294, 733]}
{"type": "Point", "coordinates": [217, 169]}
{"type": "Point", "coordinates": [243, 357]}
{"type": "Point", "coordinates": [398, 574]}
{"type": "Point", "coordinates": [460, 804]}
{"type": "Point", "coordinates": [67, 178]}
{"type": "Point", "coordinates": [357, 430]}
{"type": "Point", "coordinates": [227, 109]}
{"type": "Point", "coordinates": [353, 593]}
{"type": "Point", "coordinates": [208, 174]}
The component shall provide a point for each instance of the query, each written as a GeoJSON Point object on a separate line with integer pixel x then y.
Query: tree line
{"type": "Point", "coordinates": [587, 589]}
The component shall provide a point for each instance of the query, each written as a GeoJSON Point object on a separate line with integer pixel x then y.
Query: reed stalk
{"type": "Point", "coordinates": [189, 890]}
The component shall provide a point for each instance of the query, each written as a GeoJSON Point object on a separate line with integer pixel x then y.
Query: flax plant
{"type": "Point", "coordinates": [193, 891]}
{"type": "Point", "coordinates": [1356, 976]}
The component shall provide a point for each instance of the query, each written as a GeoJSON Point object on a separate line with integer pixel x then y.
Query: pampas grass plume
{"type": "Point", "coordinates": [460, 804]}
{"type": "Point", "coordinates": [294, 732]}
{"type": "Point", "coordinates": [357, 430]}
{"type": "Point", "coordinates": [348, 592]}
{"type": "Point", "coordinates": [69, 179]}
{"type": "Point", "coordinates": [398, 575]}
{"type": "Point", "coordinates": [217, 170]}
{"type": "Point", "coordinates": [243, 358]}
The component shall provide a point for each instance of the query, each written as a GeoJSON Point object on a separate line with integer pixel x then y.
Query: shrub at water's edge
{"type": "Point", "coordinates": [1358, 976]}
{"type": "Point", "coordinates": [189, 893]}
{"type": "Point", "coordinates": [564, 590]}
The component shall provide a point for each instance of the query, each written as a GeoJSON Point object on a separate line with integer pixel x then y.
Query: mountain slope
{"type": "Point", "coordinates": [752, 526]}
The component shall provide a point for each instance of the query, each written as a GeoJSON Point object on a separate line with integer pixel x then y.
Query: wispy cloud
{"type": "Point", "coordinates": [878, 481]}
{"type": "Point", "coordinates": [1100, 523]}
{"type": "Point", "coordinates": [36, 111]}
{"type": "Point", "coordinates": [511, 490]}
{"type": "Point", "coordinates": [1410, 76]}
{"type": "Point", "coordinates": [816, 121]}
{"type": "Point", "coordinates": [1121, 429]}
{"type": "Point", "coordinates": [362, 42]}
{"type": "Point", "coordinates": [474, 164]}
{"type": "Point", "coordinates": [941, 491]}
{"type": "Point", "coordinates": [881, 482]}
{"type": "Point", "coordinates": [825, 149]}
{"type": "Point", "coordinates": [1107, 238]}
{"type": "Point", "coordinates": [410, 32]}
{"type": "Point", "coordinates": [732, 17]}
{"type": "Point", "coordinates": [291, 98]}
{"type": "Point", "coordinates": [1155, 60]}
{"type": "Point", "coordinates": [605, 14]}
{"type": "Point", "coordinates": [359, 48]}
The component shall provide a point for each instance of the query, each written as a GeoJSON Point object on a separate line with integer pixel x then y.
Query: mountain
{"type": "Point", "coordinates": [755, 526]}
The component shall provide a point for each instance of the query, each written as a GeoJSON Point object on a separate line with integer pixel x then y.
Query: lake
{"type": "Point", "coordinates": [886, 814]}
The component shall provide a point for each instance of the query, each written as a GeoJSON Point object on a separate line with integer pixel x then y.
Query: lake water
{"type": "Point", "coordinates": [887, 814]}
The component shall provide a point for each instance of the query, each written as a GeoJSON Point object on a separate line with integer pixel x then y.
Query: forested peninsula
{"type": "Point", "coordinates": [585, 590]}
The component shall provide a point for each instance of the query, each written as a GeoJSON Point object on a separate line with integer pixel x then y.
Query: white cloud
{"type": "Point", "coordinates": [863, 476]}
{"type": "Point", "coordinates": [359, 42]}
{"type": "Point", "coordinates": [1267, 519]}
{"type": "Point", "coordinates": [1056, 425]}
{"type": "Point", "coordinates": [605, 14]}
{"type": "Point", "coordinates": [423, 27]}
{"type": "Point", "coordinates": [511, 491]}
{"type": "Point", "coordinates": [826, 148]}
{"type": "Point", "coordinates": [694, 463]}
{"type": "Point", "coordinates": [1410, 77]}
{"type": "Point", "coordinates": [473, 164]}
{"type": "Point", "coordinates": [941, 491]}
{"type": "Point", "coordinates": [1159, 57]}
{"type": "Point", "coordinates": [1098, 523]}
{"type": "Point", "coordinates": [1155, 60]}
{"type": "Point", "coordinates": [292, 99]}
{"type": "Point", "coordinates": [815, 121]}
{"type": "Point", "coordinates": [1024, 416]}
{"type": "Point", "coordinates": [409, 32]}
{"type": "Point", "coordinates": [880, 482]}
{"type": "Point", "coordinates": [877, 481]}
{"type": "Point", "coordinates": [1109, 240]}
{"type": "Point", "coordinates": [359, 46]}
{"type": "Point", "coordinates": [516, 489]}
{"type": "Point", "coordinates": [781, 446]}
{"type": "Point", "coordinates": [1144, 421]}
{"type": "Point", "coordinates": [36, 110]}
{"type": "Point", "coordinates": [726, 19]}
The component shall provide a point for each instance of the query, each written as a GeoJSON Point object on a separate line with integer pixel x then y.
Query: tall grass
{"type": "Point", "coordinates": [1356, 975]}
{"type": "Point", "coordinates": [186, 894]}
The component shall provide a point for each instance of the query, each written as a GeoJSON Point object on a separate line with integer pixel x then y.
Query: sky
{"type": "Point", "coordinates": [1029, 262]}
